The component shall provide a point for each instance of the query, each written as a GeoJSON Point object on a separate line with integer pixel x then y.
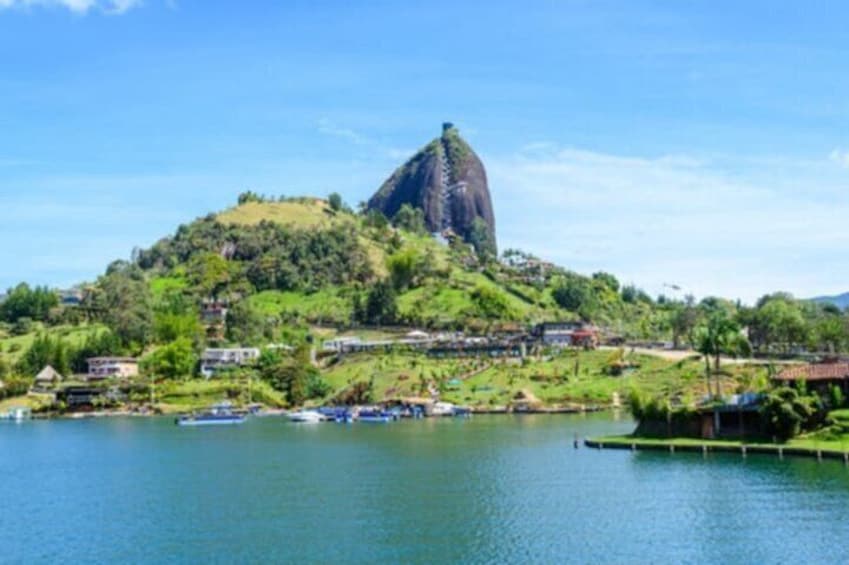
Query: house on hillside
{"type": "Point", "coordinates": [70, 297]}
{"type": "Point", "coordinates": [341, 344]}
{"type": "Point", "coordinates": [819, 377]}
{"type": "Point", "coordinates": [100, 368]}
{"type": "Point", "coordinates": [566, 334]}
{"type": "Point", "coordinates": [215, 360]}
{"type": "Point", "coordinates": [213, 315]}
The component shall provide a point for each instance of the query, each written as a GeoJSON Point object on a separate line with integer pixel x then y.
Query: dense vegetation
{"type": "Point", "coordinates": [293, 269]}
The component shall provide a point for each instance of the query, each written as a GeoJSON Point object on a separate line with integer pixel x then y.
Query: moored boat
{"type": "Point", "coordinates": [306, 417]}
{"type": "Point", "coordinates": [218, 415]}
{"type": "Point", "coordinates": [443, 409]}
{"type": "Point", "coordinates": [18, 414]}
{"type": "Point", "coordinates": [374, 416]}
{"type": "Point", "coordinates": [462, 411]}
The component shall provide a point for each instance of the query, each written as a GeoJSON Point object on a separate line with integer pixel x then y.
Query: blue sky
{"type": "Point", "coordinates": [701, 144]}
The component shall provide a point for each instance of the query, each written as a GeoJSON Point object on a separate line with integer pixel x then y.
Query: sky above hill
{"type": "Point", "coordinates": [702, 145]}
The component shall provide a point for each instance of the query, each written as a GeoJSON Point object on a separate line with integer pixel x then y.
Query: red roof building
{"type": "Point", "coordinates": [815, 372]}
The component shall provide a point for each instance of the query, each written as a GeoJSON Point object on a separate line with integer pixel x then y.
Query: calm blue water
{"type": "Point", "coordinates": [490, 489]}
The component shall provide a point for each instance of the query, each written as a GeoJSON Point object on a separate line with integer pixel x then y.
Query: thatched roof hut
{"type": "Point", "coordinates": [48, 375]}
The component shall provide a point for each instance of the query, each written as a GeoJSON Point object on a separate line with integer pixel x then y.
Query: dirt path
{"type": "Point", "coordinates": [680, 355]}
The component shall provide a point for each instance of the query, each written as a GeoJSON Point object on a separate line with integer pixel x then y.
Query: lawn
{"type": "Point", "coordinates": [13, 347]}
{"type": "Point", "coordinates": [159, 286]}
{"type": "Point", "coordinates": [308, 213]}
{"type": "Point", "coordinates": [574, 377]}
{"type": "Point", "coordinates": [325, 306]}
{"type": "Point", "coordinates": [196, 394]}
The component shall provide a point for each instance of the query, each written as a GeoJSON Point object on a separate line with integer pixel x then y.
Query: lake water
{"type": "Point", "coordinates": [489, 489]}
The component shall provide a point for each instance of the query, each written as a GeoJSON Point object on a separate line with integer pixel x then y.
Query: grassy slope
{"type": "Point", "coordinates": [309, 213]}
{"type": "Point", "coordinates": [553, 381]}
{"type": "Point", "coordinates": [12, 347]}
{"type": "Point", "coordinates": [198, 394]}
{"type": "Point", "coordinates": [330, 305]}
{"type": "Point", "coordinates": [438, 301]}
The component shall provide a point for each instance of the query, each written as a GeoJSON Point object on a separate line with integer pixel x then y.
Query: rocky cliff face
{"type": "Point", "coordinates": [447, 181]}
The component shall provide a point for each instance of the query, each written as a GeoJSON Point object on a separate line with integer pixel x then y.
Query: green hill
{"type": "Point", "coordinates": [305, 261]}
{"type": "Point", "coordinates": [298, 271]}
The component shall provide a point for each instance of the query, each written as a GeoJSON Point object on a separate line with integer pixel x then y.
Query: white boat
{"type": "Point", "coordinates": [219, 414]}
{"type": "Point", "coordinates": [306, 417]}
{"type": "Point", "coordinates": [443, 409]}
{"type": "Point", "coordinates": [19, 413]}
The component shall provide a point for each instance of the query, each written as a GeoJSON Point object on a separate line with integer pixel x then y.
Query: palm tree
{"type": "Point", "coordinates": [720, 335]}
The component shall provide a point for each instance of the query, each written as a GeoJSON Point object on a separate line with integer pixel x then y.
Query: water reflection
{"type": "Point", "coordinates": [488, 489]}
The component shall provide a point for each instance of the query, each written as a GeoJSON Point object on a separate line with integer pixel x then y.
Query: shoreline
{"type": "Point", "coordinates": [273, 412]}
{"type": "Point", "coordinates": [689, 445]}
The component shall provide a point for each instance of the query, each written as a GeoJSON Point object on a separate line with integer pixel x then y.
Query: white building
{"type": "Point", "coordinates": [108, 367]}
{"type": "Point", "coordinates": [564, 334]}
{"type": "Point", "coordinates": [213, 360]}
{"type": "Point", "coordinates": [341, 344]}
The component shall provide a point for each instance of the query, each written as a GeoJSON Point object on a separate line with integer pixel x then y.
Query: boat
{"type": "Point", "coordinates": [443, 409]}
{"type": "Point", "coordinates": [18, 413]}
{"type": "Point", "coordinates": [370, 416]}
{"type": "Point", "coordinates": [462, 412]}
{"type": "Point", "coordinates": [218, 415]}
{"type": "Point", "coordinates": [306, 417]}
{"type": "Point", "coordinates": [341, 415]}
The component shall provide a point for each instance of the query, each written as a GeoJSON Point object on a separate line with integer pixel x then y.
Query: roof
{"type": "Point", "coordinates": [815, 372]}
{"type": "Point", "coordinates": [113, 359]}
{"type": "Point", "coordinates": [48, 373]}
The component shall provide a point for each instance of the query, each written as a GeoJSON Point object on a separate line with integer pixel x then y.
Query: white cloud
{"type": "Point", "coordinates": [328, 127]}
{"type": "Point", "coordinates": [840, 156]}
{"type": "Point", "coordinates": [77, 6]}
{"type": "Point", "coordinates": [676, 219]}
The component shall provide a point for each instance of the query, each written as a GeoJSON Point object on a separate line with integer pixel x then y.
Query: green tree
{"type": "Point", "coordinates": [246, 325]}
{"type": "Point", "coordinates": [295, 377]}
{"type": "Point", "coordinates": [607, 280]}
{"type": "Point", "coordinates": [576, 294]}
{"type": "Point", "coordinates": [381, 305]}
{"type": "Point", "coordinates": [684, 319]}
{"type": "Point", "coordinates": [719, 335]}
{"type": "Point", "coordinates": [25, 302]}
{"type": "Point", "coordinates": [491, 303]}
{"type": "Point", "coordinates": [177, 359]}
{"type": "Point", "coordinates": [169, 326]}
{"type": "Point", "coordinates": [45, 350]}
{"type": "Point", "coordinates": [122, 299]}
{"type": "Point", "coordinates": [785, 412]}
{"type": "Point", "coordinates": [335, 202]}
{"type": "Point", "coordinates": [250, 196]}
{"type": "Point", "coordinates": [406, 268]}
{"type": "Point", "coordinates": [482, 240]}
{"type": "Point", "coordinates": [22, 326]}
{"type": "Point", "coordinates": [210, 274]}
{"type": "Point", "coordinates": [410, 219]}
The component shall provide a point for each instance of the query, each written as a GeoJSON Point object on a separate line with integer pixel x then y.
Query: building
{"type": "Point", "coordinates": [213, 315]}
{"type": "Point", "coordinates": [47, 378]}
{"type": "Point", "coordinates": [71, 297]}
{"type": "Point", "coordinates": [215, 360]}
{"type": "Point", "coordinates": [112, 367]}
{"type": "Point", "coordinates": [819, 377]}
{"type": "Point", "coordinates": [342, 344]}
{"type": "Point", "coordinates": [566, 334]}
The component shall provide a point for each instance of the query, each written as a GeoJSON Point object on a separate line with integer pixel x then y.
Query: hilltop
{"type": "Point", "coordinates": [447, 181]}
{"type": "Point", "coordinates": [840, 300]}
